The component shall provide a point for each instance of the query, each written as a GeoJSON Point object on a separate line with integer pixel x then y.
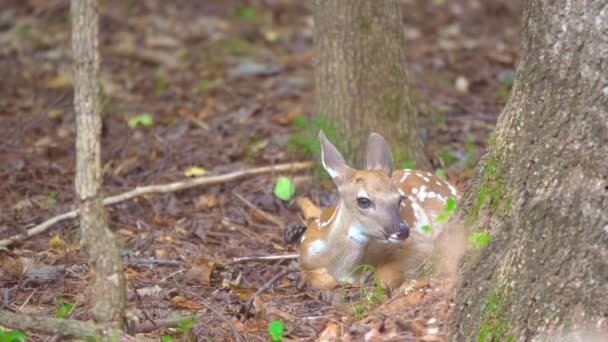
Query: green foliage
{"type": "Point", "coordinates": [408, 164]}
{"type": "Point", "coordinates": [63, 307]}
{"type": "Point", "coordinates": [503, 92]}
{"type": "Point", "coordinates": [450, 204]}
{"type": "Point", "coordinates": [306, 141]}
{"type": "Point", "coordinates": [167, 338]}
{"type": "Point", "coordinates": [441, 217]}
{"type": "Point", "coordinates": [426, 228]}
{"type": "Point", "coordinates": [441, 174]}
{"type": "Point", "coordinates": [236, 47]}
{"type": "Point", "coordinates": [479, 239]}
{"type": "Point", "coordinates": [448, 155]}
{"type": "Point", "coordinates": [22, 29]}
{"type": "Point", "coordinates": [144, 119]}
{"type": "Point", "coordinates": [368, 295]}
{"type": "Point", "coordinates": [275, 328]}
{"type": "Point", "coordinates": [186, 324]}
{"type": "Point", "coordinates": [13, 335]}
{"type": "Point", "coordinates": [245, 13]}
{"type": "Point", "coordinates": [205, 85]}
{"type": "Point", "coordinates": [160, 80]}
{"type": "Point", "coordinates": [494, 321]}
{"type": "Point", "coordinates": [52, 199]}
{"type": "Point", "coordinates": [284, 188]}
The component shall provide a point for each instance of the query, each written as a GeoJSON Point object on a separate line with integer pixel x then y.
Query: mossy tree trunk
{"type": "Point", "coordinates": [361, 76]}
{"type": "Point", "coordinates": [97, 241]}
{"type": "Point", "coordinates": [541, 192]}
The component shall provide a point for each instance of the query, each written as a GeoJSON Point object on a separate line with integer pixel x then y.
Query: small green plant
{"type": "Point", "coordinates": [408, 164]}
{"type": "Point", "coordinates": [284, 188]}
{"type": "Point", "coordinates": [479, 239]}
{"type": "Point", "coordinates": [160, 80]}
{"type": "Point", "coordinates": [13, 335]}
{"type": "Point", "coordinates": [441, 174]}
{"type": "Point", "coordinates": [369, 295]}
{"type": "Point", "coordinates": [144, 119]}
{"type": "Point", "coordinates": [448, 155]}
{"type": "Point", "coordinates": [245, 13]}
{"type": "Point", "coordinates": [426, 228]}
{"type": "Point", "coordinates": [186, 324]}
{"type": "Point", "coordinates": [450, 204]}
{"type": "Point", "coordinates": [63, 307]}
{"type": "Point", "coordinates": [307, 141]}
{"type": "Point", "coordinates": [52, 199]}
{"type": "Point", "coordinates": [275, 328]}
{"type": "Point", "coordinates": [503, 92]}
{"type": "Point", "coordinates": [167, 338]}
{"type": "Point", "coordinates": [205, 85]}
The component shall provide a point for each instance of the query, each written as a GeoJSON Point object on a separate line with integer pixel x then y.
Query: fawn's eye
{"type": "Point", "coordinates": [363, 202]}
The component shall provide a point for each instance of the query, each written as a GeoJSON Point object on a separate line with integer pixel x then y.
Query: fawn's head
{"type": "Point", "coordinates": [369, 197]}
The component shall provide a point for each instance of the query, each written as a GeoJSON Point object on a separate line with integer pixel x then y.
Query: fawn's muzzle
{"type": "Point", "coordinates": [399, 232]}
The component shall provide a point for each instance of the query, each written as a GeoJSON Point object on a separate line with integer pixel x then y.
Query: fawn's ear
{"type": "Point", "coordinates": [332, 160]}
{"type": "Point", "coordinates": [378, 154]}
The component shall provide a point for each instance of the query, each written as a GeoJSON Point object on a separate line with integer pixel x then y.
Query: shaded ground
{"type": "Point", "coordinates": [224, 82]}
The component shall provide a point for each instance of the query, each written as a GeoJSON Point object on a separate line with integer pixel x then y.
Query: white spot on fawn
{"type": "Point", "coordinates": [404, 177]}
{"type": "Point", "coordinates": [452, 189]}
{"type": "Point", "coordinates": [422, 195]}
{"type": "Point", "coordinates": [420, 216]}
{"type": "Point", "coordinates": [415, 191]}
{"type": "Point", "coordinates": [317, 247]}
{"type": "Point", "coordinates": [303, 238]}
{"type": "Point", "coordinates": [355, 233]}
{"type": "Point", "coordinates": [432, 195]}
{"type": "Point", "coordinates": [426, 179]}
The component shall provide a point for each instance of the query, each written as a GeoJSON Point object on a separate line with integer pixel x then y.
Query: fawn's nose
{"type": "Point", "coordinates": [400, 232]}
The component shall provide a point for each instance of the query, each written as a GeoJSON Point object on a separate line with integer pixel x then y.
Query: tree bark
{"type": "Point", "coordinates": [109, 287]}
{"type": "Point", "coordinates": [361, 76]}
{"type": "Point", "coordinates": [541, 192]}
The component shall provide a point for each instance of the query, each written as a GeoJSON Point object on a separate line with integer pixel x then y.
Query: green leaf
{"type": "Point", "coordinates": [167, 338]}
{"type": "Point", "coordinates": [300, 122]}
{"type": "Point", "coordinates": [245, 13]}
{"type": "Point", "coordinates": [11, 336]}
{"type": "Point", "coordinates": [144, 119]}
{"type": "Point", "coordinates": [441, 217]}
{"type": "Point", "coordinates": [205, 85]}
{"type": "Point", "coordinates": [426, 228]}
{"type": "Point", "coordinates": [284, 188]}
{"type": "Point", "coordinates": [441, 174]}
{"type": "Point", "coordinates": [479, 239]}
{"type": "Point", "coordinates": [275, 328]}
{"type": "Point", "coordinates": [408, 164]}
{"type": "Point", "coordinates": [450, 204]}
{"type": "Point", "coordinates": [64, 308]}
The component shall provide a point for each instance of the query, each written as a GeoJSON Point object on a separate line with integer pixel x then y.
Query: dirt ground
{"type": "Point", "coordinates": [224, 82]}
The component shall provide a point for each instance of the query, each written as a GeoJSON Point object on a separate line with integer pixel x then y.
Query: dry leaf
{"type": "Point", "coordinates": [160, 253]}
{"type": "Point", "coordinates": [60, 81]}
{"type": "Point", "coordinates": [198, 275]}
{"type": "Point", "coordinates": [194, 171]}
{"type": "Point", "coordinates": [330, 333]}
{"type": "Point", "coordinates": [206, 201]}
{"type": "Point", "coordinates": [243, 292]}
{"type": "Point", "coordinates": [419, 284]}
{"type": "Point", "coordinates": [57, 243]}
{"type": "Point", "coordinates": [309, 209]}
{"type": "Point", "coordinates": [179, 302]}
{"type": "Point", "coordinates": [10, 265]}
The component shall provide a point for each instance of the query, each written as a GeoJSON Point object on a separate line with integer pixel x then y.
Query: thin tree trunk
{"type": "Point", "coordinates": [108, 282]}
{"type": "Point", "coordinates": [361, 76]}
{"type": "Point", "coordinates": [542, 190]}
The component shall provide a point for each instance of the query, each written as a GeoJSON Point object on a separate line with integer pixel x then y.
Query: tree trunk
{"type": "Point", "coordinates": [361, 76]}
{"type": "Point", "coordinates": [109, 290]}
{"type": "Point", "coordinates": [541, 192]}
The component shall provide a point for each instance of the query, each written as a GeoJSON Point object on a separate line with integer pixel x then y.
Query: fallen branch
{"type": "Point", "coordinates": [162, 188]}
{"type": "Point", "coordinates": [66, 327]}
{"type": "Point", "coordinates": [264, 258]}
{"type": "Point", "coordinates": [268, 217]}
{"type": "Point", "coordinates": [269, 284]}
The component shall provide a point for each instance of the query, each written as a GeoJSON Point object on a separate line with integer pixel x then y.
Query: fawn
{"type": "Point", "coordinates": [381, 219]}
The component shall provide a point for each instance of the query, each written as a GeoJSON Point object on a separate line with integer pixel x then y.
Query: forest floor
{"type": "Point", "coordinates": [225, 83]}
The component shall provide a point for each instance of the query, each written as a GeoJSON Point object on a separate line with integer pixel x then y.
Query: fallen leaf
{"type": "Point", "coordinates": [195, 171]}
{"type": "Point", "coordinates": [149, 291]}
{"type": "Point", "coordinates": [330, 333]}
{"type": "Point", "coordinates": [160, 253]}
{"type": "Point", "coordinates": [419, 284]}
{"type": "Point", "coordinates": [206, 201]}
{"type": "Point", "coordinates": [179, 302]}
{"type": "Point", "coordinates": [62, 80]}
{"type": "Point", "coordinates": [309, 209]}
{"type": "Point", "coordinates": [284, 188]}
{"type": "Point", "coordinates": [10, 265]}
{"type": "Point", "coordinates": [198, 274]}
{"type": "Point", "coordinates": [243, 292]}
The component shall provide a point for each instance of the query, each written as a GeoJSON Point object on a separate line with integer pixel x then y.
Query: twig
{"type": "Point", "coordinates": [67, 327]}
{"type": "Point", "coordinates": [269, 284]}
{"type": "Point", "coordinates": [264, 258]}
{"type": "Point", "coordinates": [217, 313]}
{"type": "Point", "coordinates": [268, 217]}
{"type": "Point", "coordinates": [162, 188]}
